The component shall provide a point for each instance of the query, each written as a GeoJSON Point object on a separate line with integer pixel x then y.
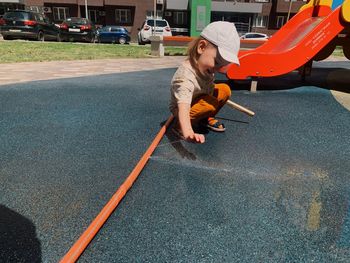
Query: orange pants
{"type": "Point", "coordinates": [206, 106]}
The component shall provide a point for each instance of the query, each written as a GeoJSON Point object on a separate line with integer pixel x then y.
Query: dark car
{"type": "Point", "coordinates": [28, 25]}
{"type": "Point", "coordinates": [113, 34]}
{"type": "Point", "coordinates": [78, 29]}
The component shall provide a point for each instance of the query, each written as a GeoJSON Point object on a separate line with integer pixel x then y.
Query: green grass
{"type": "Point", "coordinates": [338, 52]}
{"type": "Point", "coordinates": [25, 51]}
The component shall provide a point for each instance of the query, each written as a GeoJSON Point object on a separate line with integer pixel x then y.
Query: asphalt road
{"type": "Point", "coordinates": [273, 188]}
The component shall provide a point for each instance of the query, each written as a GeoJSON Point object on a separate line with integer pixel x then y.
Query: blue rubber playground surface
{"type": "Point", "coordinates": [272, 188]}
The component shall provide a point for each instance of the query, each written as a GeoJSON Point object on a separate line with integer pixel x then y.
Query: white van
{"type": "Point", "coordinates": [162, 28]}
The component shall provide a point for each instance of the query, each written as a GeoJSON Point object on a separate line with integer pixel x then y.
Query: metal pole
{"type": "Point", "coordinates": [154, 16]}
{"type": "Point", "coordinates": [86, 10]}
{"type": "Point", "coordinates": [290, 8]}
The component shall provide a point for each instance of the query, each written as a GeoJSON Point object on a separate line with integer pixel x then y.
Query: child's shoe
{"type": "Point", "coordinates": [215, 125]}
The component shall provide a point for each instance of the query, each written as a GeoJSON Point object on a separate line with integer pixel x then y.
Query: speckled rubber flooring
{"type": "Point", "coordinates": [273, 188]}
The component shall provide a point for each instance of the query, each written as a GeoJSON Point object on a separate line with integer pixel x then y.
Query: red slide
{"type": "Point", "coordinates": [297, 42]}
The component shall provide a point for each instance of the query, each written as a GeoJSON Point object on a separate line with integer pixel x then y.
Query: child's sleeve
{"type": "Point", "coordinates": [182, 90]}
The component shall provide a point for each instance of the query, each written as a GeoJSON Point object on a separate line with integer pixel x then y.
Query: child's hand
{"type": "Point", "coordinates": [185, 125]}
{"type": "Point", "coordinates": [195, 138]}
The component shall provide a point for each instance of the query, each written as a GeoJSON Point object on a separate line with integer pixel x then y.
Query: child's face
{"type": "Point", "coordinates": [209, 60]}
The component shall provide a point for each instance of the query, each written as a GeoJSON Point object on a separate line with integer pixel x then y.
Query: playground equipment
{"type": "Point", "coordinates": [312, 34]}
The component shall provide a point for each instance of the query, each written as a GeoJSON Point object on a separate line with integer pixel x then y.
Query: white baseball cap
{"type": "Point", "coordinates": [224, 35]}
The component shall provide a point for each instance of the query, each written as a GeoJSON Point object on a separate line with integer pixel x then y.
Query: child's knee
{"type": "Point", "coordinates": [224, 90]}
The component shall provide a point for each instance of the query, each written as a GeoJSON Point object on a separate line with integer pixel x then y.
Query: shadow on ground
{"type": "Point", "coordinates": [326, 75]}
{"type": "Point", "coordinates": [18, 239]}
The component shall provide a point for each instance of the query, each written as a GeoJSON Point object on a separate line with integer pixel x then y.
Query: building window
{"type": "Point", "coordinates": [180, 18]}
{"type": "Point", "coordinates": [261, 21]}
{"type": "Point", "coordinates": [60, 13]}
{"type": "Point", "coordinates": [159, 14]}
{"type": "Point", "coordinates": [123, 15]}
{"type": "Point", "coordinates": [280, 21]}
{"type": "Point", "coordinates": [36, 9]}
{"type": "Point", "coordinates": [2, 10]}
{"type": "Point", "coordinates": [93, 15]}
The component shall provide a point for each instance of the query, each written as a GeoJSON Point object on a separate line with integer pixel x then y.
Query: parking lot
{"type": "Point", "coordinates": [271, 188]}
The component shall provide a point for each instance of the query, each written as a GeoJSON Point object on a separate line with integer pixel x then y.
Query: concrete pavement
{"type": "Point", "coordinates": [33, 71]}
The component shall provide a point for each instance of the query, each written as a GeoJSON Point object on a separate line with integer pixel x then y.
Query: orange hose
{"type": "Point", "coordinates": [80, 245]}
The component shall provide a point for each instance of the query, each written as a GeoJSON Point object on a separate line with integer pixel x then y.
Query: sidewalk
{"type": "Point", "coordinates": [33, 71]}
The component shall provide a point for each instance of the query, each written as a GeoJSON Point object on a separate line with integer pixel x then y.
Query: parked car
{"type": "Point", "coordinates": [147, 29]}
{"type": "Point", "coordinates": [255, 36]}
{"type": "Point", "coordinates": [21, 24]}
{"type": "Point", "coordinates": [113, 34]}
{"type": "Point", "coordinates": [78, 29]}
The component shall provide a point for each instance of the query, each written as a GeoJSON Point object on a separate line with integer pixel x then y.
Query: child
{"type": "Point", "coordinates": [195, 99]}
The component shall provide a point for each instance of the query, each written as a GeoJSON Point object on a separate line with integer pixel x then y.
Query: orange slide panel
{"type": "Point", "coordinates": [292, 46]}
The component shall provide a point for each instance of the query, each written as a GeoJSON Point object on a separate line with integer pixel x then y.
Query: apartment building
{"type": "Point", "coordinates": [275, 14]}
{"type": "Point", "coordinates": [265, 16]}
{"type": "Point", "coordinates": [10, 4]}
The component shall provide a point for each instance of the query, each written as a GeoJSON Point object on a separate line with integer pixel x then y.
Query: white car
{"type": "Point", "coordinates": [255, 36]}
{"type": "Point", "coordinates": [162, 28]}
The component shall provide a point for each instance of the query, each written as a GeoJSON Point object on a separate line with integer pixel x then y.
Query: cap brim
{"type": "Point", "coordinates": [228, 56]}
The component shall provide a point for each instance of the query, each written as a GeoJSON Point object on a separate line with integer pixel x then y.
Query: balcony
{"type": "Point", "coordinates": [236, 6]}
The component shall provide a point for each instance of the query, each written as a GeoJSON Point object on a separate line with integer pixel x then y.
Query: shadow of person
{"type": "Point", "coordinates": [231, 120]}
{"type": "Point", "coordinates": [331, 77]}
{"type": "Point", "coordinates": [18, 240]}
{"type": "Point", "coordinates": [176, 142]}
